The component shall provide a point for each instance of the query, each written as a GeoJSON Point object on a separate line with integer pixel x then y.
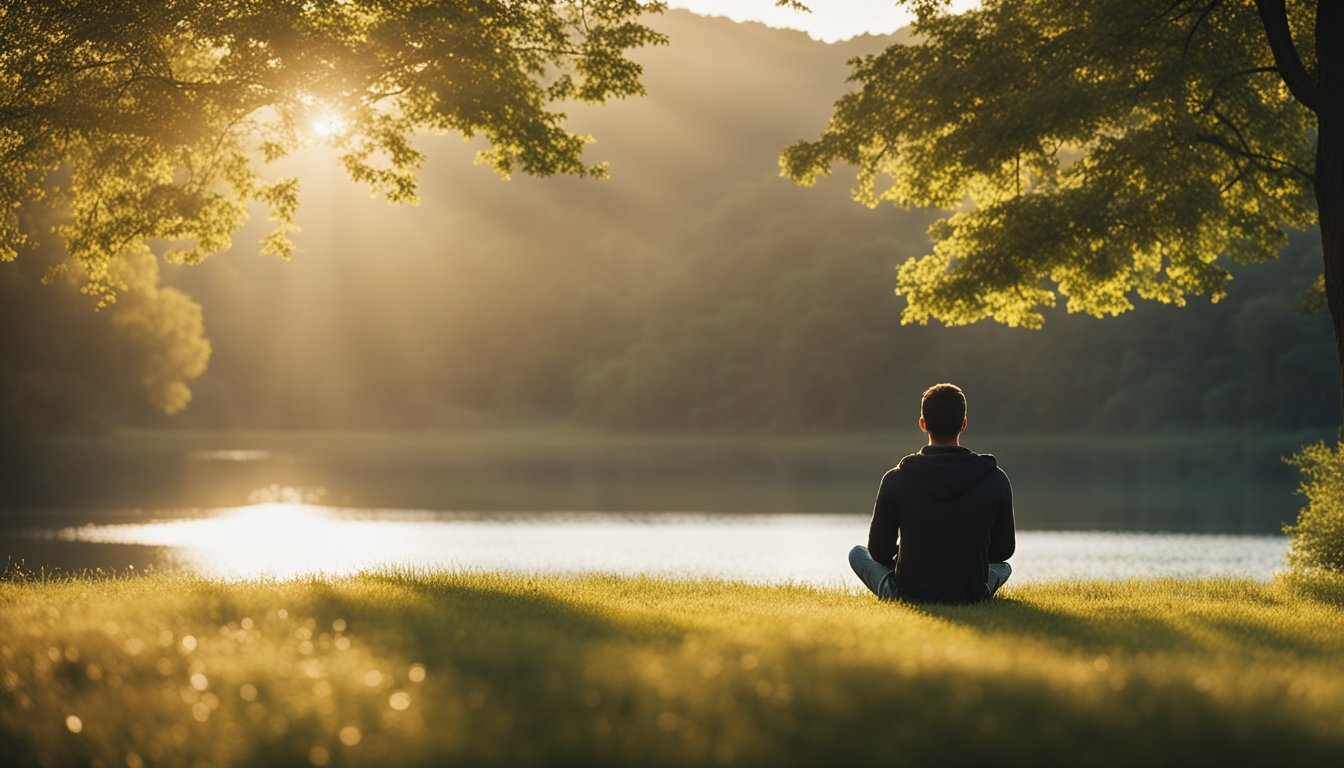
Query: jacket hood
{"type": "Point", "coordinates": [946, 472]}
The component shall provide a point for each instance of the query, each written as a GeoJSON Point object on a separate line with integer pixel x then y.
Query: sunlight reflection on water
{"type": "Point", "coordinates": [232, 455]}
{"type": "Point", "coordinates": [289, 539]}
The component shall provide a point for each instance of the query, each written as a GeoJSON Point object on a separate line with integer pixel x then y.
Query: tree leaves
{"type": "Point", "coordinates": [1101, 152]}
{"type": "Point", "coordinates": [148, 120]}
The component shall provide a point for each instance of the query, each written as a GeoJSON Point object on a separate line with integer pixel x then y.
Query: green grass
{"type": "Point", "coordinates": [179, 670]}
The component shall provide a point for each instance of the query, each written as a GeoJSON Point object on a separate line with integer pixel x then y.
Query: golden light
{"type": "Point", "coordinates": [283, 538]}
{"type": "Point", "coordinates": [283, 533]}
{"type": "Point", "coordinates": [327, 125]}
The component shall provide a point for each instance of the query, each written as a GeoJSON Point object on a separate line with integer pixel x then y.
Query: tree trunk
{"type": "Point", "coordinates": [1330, 160]}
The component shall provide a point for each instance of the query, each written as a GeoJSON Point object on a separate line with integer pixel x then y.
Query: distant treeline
{"type": "Point", "coordinates": [782, 324]}
{"type": "Point", "coordinates": [695, 291]}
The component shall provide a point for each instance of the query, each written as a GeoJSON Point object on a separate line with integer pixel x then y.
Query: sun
{"type": "Point", "coordinates": [327, 125]}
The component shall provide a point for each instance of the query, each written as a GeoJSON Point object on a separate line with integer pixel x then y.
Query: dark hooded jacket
{"type": "Point", "coordinates": [952, 511]}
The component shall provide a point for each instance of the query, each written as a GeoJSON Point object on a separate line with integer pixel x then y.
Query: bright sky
{"type": "Point", "coordinates": [830, 20]}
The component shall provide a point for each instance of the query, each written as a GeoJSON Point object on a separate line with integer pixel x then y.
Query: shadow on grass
{"type": "Point", "coordinates": [1164, 689]}
{"type": "Point", "coordinates": [1209, 626]}
{"type": "Point", "coordinates": [946, 716]}
{"type": "Point", "coordinates": [524, 673]}
{"type": "Point", "coordinates": [521, 675]}
{"type": "Point", "coordinates": [543, 680]}
{"type": "Point", "coordinates": [1008, 619]}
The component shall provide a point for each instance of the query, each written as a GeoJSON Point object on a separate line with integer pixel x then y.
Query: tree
{"type": "Point", "coordinates": [66, 368]}
{"type": "Point", "coordinates": [1099, 151]}
{"type": "Point", "coordinates": [146, 119]}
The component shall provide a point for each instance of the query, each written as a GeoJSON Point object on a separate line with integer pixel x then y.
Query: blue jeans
{"type": "Point", "coordinates": [881, 579]}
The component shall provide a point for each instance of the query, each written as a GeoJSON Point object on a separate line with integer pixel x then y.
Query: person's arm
{"type": "Point", "coordinates": [886, 524]}
{"type": "Point", "coordinates": [1003, 536]}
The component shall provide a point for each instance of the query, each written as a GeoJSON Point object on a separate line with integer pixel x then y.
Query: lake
{"type": "Point", "coordinates": [566, 499]}
{"type": "Point", "coordinates": [292, 538]}
{"type": "Point", "coordinates": [1194, 482]}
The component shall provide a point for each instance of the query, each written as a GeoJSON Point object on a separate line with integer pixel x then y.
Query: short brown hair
{"type": "Point", "coordinates": [944, 409]}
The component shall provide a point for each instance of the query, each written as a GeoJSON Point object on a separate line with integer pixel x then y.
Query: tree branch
{"type": "Point", "coordinates": [1241, 139]}
{"type": "Point", "coordinates": [1241, 173]}
{"type": "Point", "coordinates": [1274, 17]}
{"type": "Point", "coordinates": [1163, 15]}
{"type": "Point", "coordinates": [1203, 14]}
{"type": "Point", "coordinates": [1217, 88]}
{"type": "Point", "coordinates": [1248, 154]}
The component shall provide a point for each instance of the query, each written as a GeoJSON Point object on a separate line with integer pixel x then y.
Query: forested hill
{"type": "Point", "coordinates": [697, 290]}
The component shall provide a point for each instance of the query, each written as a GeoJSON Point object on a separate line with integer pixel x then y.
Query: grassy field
{"type": "Point", "coordinates": [442, 668]}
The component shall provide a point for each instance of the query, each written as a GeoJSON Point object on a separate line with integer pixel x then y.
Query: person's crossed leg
{"type": "Point", "coordinates": [881, 579]}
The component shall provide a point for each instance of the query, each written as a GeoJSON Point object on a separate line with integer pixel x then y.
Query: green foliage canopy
{"type": "Point", "coordinates": [1096, 151]}
{"type": "Point", "coordinates": [146, 119]}
{"type": "Point", "coordinates": [68, 369]}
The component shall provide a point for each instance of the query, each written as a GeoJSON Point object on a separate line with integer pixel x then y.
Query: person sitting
{"type": "Point", "coordinates": [942, 524]}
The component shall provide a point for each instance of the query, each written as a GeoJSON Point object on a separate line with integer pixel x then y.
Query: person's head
{"type": "Point", "coordinates": [942, 412]}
